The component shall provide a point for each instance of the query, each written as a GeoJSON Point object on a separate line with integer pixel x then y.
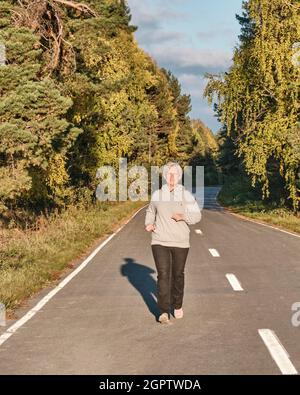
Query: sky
{"type": "Point", "coordinates": [190, 38]}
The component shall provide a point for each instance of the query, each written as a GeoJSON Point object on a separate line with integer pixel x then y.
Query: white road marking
{"type": "Point", "coordinates": [234, 282]}
{"type": "Point", "coordinates": [277, 351]}
{"type": "Point", "coordinates": [214, 252]}
{"type": "Point", "coordinates": [31, 313]}
{"type": "Point", "coordinates": [199, 231]}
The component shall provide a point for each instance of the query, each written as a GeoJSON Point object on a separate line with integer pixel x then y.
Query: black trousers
{"type": "Point", "coordinates": [170, 265]}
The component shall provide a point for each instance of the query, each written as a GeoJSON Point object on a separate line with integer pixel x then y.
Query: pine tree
{"type": "Point", "coordinates": [34, 133]}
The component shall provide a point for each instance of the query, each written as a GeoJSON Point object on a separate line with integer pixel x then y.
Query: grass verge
{"type": "Point", "coordinates": [238, 198]}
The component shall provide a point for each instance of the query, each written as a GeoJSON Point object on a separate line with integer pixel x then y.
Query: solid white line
{"type": "Point", "coordinates": [234, 282]}
{"type": "Point", "coordinates": [31, 313]}
{"type": "Point", "coordinates": [277, 351]}
{"type": "Point", "coordinates": [214, 252]}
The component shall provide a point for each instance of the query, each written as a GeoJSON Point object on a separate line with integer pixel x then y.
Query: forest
{"type": "Point", "coordinates": [258, 104]}
{"type": "Point", "coordinates": [77, 93]}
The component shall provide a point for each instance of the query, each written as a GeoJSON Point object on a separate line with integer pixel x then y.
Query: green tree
{"type": "Point", "coordinates": [259, 97]}
{"type": "Point", "coordinates": [182, 134]}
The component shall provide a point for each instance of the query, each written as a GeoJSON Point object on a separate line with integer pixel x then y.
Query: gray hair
{"type": "Point", "coordinates": [169, 165]}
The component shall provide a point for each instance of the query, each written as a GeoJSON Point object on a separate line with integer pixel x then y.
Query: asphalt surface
{"type": "Point", "coordinates": [104, 321]}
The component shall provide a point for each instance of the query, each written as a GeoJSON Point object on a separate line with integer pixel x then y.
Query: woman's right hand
{"type": "Point", "coordinates": [150, 228]}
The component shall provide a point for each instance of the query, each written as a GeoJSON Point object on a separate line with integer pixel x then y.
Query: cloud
{"type": "Point", "coordinates": [150, 20]}
{"type": "Point", "coordinates": [193, 84]}
{"type": "Point", "coordinates": [192, 60]}
{"type": "Point", "coordinates": [160, 36]}
{"type": "Point", "coordinates": [191, 57]}
{"type": "Point", "coordinates": [150, 16]}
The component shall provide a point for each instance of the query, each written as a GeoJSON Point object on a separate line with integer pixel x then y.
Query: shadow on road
{"type": "Point", "coordinates": [140, 278]}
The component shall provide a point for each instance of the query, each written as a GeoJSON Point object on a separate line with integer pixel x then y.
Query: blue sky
{"type": "Point", "coordinates": [189, 37]}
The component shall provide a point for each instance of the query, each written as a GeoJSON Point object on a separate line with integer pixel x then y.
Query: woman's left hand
{"type": "Point", "coordinates": [178, 217]}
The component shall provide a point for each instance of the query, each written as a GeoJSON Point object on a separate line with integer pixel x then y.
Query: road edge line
{"type": "Point", "coordinates": [277, 351]}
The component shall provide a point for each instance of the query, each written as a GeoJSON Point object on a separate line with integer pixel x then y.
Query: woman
{"type": "Point", "coordinates": [172, 208]}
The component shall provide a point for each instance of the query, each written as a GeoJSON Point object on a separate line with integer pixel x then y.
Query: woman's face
{"type": "Point", "coordinates": [172, 177]}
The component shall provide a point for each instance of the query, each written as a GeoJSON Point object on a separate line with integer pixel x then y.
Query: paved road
{"type": "Point", "coordinates": [103, 321]}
